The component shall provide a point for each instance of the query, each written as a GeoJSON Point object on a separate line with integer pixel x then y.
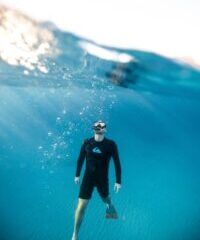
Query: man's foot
{"type": "Point", "coordinates": [74, 237]}
{"type": "Point", "coordinates": [111, 212]}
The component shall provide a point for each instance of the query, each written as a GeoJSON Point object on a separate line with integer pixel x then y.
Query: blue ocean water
{"type": "Point", "coordinates": [151, 107]}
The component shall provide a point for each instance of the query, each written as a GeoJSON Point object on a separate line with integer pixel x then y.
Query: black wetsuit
{"type": "Point", "coordinates": [97, 155]}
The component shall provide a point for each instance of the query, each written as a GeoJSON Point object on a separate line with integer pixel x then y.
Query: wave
{"type": "Point", "coordinates": [37, 54]}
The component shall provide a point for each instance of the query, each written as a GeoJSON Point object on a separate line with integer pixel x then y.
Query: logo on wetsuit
{"type": "Point", "coordinates": [96, 150]}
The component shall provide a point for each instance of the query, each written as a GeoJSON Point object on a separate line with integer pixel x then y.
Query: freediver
{"type": "Point", "coordinates": [98, 150]}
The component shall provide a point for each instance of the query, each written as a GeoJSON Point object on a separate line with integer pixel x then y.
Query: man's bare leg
{"type": "Point", "coordinates": [79, 214]}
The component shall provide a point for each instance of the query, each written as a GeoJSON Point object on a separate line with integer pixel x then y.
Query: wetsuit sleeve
{"type": "Point", "coordinates": [117, 164]}
{"type": "Point", "coordinates": [80, 159]}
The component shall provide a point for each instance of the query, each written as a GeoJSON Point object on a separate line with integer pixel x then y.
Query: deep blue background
{"type": "Point", "coordinates": [153, 114]}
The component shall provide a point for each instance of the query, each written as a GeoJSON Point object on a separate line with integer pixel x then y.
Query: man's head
{"type": "Point", "coordinates": [99, 127]}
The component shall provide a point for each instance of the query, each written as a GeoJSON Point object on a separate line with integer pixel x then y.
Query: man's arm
{"type": "Point", "coordinates": [80, 159]}
{"type": "Point", "coordinates": [117, 164]}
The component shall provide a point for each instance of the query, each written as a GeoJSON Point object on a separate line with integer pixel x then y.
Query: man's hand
{"type": "Point", "coordinates": [117, 186]}
{"type": "Point", "coordinates": [77, 180]}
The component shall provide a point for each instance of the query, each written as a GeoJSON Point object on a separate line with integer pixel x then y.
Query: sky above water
{"type": "Point", "coordinates": [166, 27]}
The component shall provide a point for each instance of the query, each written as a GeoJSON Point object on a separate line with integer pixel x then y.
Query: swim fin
{"type": "Point", "coordinates": [111, 212]}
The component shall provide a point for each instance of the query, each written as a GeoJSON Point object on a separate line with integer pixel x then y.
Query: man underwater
{"type": "Point", "coordinates": [98, 150]}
